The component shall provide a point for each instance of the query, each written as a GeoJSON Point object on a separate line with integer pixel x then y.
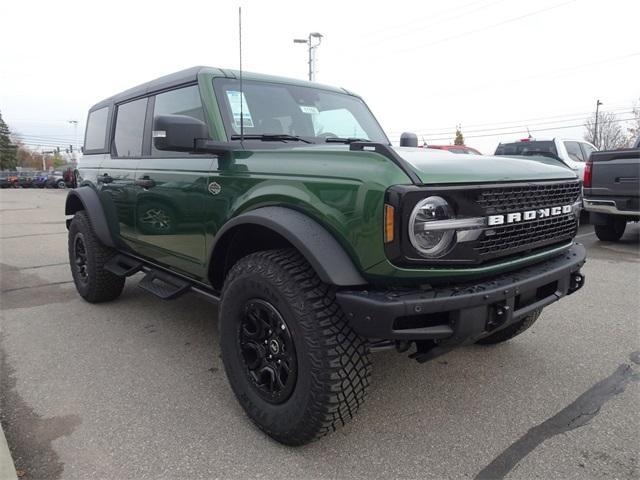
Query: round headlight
{"type": "Point", "coordinates": [430, 242]}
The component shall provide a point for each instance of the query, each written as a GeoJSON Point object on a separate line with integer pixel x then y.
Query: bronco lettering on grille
{"type": "Point", "coordinates": [516, 217]}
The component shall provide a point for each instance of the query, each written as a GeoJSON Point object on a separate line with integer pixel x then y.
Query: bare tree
{"type": "Point", "coordinates": [634, 129]}
{"type": "Point", "coordinates": [610, 133]}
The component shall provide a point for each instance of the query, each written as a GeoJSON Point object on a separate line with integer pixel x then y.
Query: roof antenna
{"type": "Point", "coordinates": [241, 91]}
{"type": "Point", "coordinates": [529, 133]}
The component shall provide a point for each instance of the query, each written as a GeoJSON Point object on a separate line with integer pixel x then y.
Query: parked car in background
{"type": "Point", "coordinates": [25, 179]}
{"type": "Point", "coordinates": [4, 180]}
{"type": "Point", "coordinates": [56, 180]}
{"type": "Point", "coordinates": [12, 178]}
{"type": "Point", "coordinates": [456, 149]}
{"type": "Point", "coordinates": [40, 179]}
{"type": "Point", "coordinates": [574, 153]}
{"type": "Point", "coordinates": [612, 190]}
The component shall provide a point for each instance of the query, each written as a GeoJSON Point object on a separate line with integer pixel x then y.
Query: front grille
{"type": "Point", "coordinates": [503, 240]}
{"type": "Point", "coordinates": [528, 197]}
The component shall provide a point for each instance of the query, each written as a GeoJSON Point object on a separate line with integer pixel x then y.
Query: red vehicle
{"type": "Point", "coordinates": [456, 149]}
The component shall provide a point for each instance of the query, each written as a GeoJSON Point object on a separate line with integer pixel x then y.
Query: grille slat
{"type": "Point", "coordinates": [512, 238]}
{"type": "Point", "coordinates": [504, 240]}
{"type": "Point", "coordinates": [528, 197]}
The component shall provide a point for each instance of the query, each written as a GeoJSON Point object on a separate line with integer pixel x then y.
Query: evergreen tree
{"type": "Point", "coordinates": [8, 151]}
{"type": "Point", "coordinates": [459, 140]}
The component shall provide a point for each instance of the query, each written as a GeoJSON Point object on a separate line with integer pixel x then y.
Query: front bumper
{"type": "Point", "coordinates": [465, 312]}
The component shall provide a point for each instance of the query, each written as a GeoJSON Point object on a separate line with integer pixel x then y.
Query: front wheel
{"type": "Point", "coordinates": [293, 362]}
{"type": "Point", "coordinates": [611, 231]}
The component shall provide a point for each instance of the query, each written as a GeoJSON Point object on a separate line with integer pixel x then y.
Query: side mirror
{"type": "Point", "coordinates": [178, 132]}
{"type": "Point", "coordinates": [408, 139]}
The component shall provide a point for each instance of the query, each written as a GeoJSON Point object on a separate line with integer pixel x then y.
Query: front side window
{"type": "Point", "coordinates": [96, 132]}
{"type": "Point", "coordinates": [130, 128]}
{"type": "Point", "coordinates": [183, 101]}
{"type": "Point", "coordinates": [574, 152]}
{"type": "Point", "coordinates": [281, 109]}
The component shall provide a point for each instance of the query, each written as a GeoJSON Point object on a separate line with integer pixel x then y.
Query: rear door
{"type": "Point", "coordinates": [117, 171]}
{"type": "Point", "coordinates": [171, 190]}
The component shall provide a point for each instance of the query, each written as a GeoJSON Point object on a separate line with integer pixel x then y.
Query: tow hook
{"type": "Point", "coordinates": [577, 281]}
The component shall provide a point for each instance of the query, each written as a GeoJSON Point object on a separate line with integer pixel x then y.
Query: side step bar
{"type": "Point", "coordinates": [163, 285]}
{"type": "Point", "coordinates": [123, 266]}
{"type": "Point", "coordinates": [157, 281]}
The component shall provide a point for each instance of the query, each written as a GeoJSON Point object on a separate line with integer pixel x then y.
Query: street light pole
{"type": "Point", "coordinates": [312, 52]}
{"type": "Point", "coordinates": [595, 125]}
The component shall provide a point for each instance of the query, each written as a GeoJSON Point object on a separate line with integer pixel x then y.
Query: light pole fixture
{"type": "Point", "coordinates": [75, 137]}
{"type": "Point", "coordinates": [311, 45]}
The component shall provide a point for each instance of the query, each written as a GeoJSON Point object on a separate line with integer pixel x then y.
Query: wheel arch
{"type": "Point", "coordinates": [86, 198]}
{"type": "Point", "coordinates": [281, 227]}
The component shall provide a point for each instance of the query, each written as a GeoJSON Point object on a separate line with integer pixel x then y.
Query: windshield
{"type": "Point", "coordinates": [280, 109]}
{"type": "Point", "coordinates": [524, 148]}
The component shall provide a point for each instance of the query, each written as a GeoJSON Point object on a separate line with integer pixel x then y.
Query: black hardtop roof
{"type": "Point", "coordinates": [167, 81]}
{"type": "Point", "coordinates": [190, 75]}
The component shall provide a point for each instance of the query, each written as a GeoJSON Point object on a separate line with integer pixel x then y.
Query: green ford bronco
{"type": "Point", "coordinates": [284, 202]}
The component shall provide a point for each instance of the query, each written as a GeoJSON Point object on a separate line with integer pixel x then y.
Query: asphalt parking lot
{"type": "Point", "coordinates": [136, 388]}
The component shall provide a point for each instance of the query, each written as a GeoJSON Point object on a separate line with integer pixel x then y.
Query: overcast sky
{"type": "Point", "coordinates": [422, 66]}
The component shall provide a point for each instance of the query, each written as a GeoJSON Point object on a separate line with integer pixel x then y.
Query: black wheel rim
{"type": "Point", "coordinates": [80, 258]}
{"type": "Point", "coordinates": [268, 352]}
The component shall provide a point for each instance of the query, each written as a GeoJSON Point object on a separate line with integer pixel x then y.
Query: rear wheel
{"type": "Point", "coordinates": [613, 230]}
{"type": "Point", "coordinates": [87, 258]}
{"type": "Point", "coordinates": [511, 331]}
{"type": "Point", "coordinates": [292, 360]}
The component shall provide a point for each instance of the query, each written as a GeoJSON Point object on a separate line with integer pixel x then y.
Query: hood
{"type": "Point", "coordinates": [440, 166]}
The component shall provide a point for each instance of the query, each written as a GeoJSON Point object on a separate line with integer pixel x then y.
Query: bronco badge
{"type": "Point", "coordinates": [528, 215]}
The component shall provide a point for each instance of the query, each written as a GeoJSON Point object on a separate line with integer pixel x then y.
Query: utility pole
{"type": "Point", "coordinates": [312, 52]}
{"type": "Point", "coordinates": [75, 136]}
{"type": "Point", "coordinates": [595, 125]}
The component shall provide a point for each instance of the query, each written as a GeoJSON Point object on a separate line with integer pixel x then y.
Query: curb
{"type": "Point", "coordinates": [7, 470]}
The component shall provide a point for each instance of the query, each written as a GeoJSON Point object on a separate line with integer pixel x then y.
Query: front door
{"type": "Point", "coordinates": [171, 190]}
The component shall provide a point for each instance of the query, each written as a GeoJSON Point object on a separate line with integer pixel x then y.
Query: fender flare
{"type": "Point", "coordinates": [86, 198]}
{"type": "Point", "coordinates": [323, 252]}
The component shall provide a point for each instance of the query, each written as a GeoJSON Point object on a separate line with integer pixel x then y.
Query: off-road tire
{"type": "Point", "coordinates": [333, 365]}
{"type": "Point", "coordinates": [512, 330]}
{"type": "Point", "coordinates": [613, 230]}
{"type": "Point", "coordinates": [100, 285]}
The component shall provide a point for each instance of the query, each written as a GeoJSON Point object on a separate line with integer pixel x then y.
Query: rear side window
{"type": "Point", "coordinates": [526, 148]}
{"type": "Point", "coordinates": [183, 101]}
{"type": "Point", "coordinates": [96, 134]}
{"type": "Point", "coordinates": [574, 152]}
{"type": "Point", "coordinates": [130, 128]}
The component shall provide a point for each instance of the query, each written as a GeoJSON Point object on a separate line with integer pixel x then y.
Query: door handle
{"type": "Point", "coordinates": [145, 182]}
{"type": "Point", "coordinates": [106, 178]}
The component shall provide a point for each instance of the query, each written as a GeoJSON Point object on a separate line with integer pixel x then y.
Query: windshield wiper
{"type": "Point", "coordinates": [267, 137]}
{"type": "Point", "coordinates": [345, 140]}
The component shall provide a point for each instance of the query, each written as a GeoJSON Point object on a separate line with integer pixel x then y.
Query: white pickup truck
{"type": "Point", "coordinates": [574, 153]}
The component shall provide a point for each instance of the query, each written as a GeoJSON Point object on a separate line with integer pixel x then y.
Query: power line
{"type": "Point", "coordinates": [482, 130]}
{"type": "Point", "coordinates": [487, 27]}
{"type": "Point", "coordinates": [518, 123]}
{"type": "Point", "coordinates": [531, 130]}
